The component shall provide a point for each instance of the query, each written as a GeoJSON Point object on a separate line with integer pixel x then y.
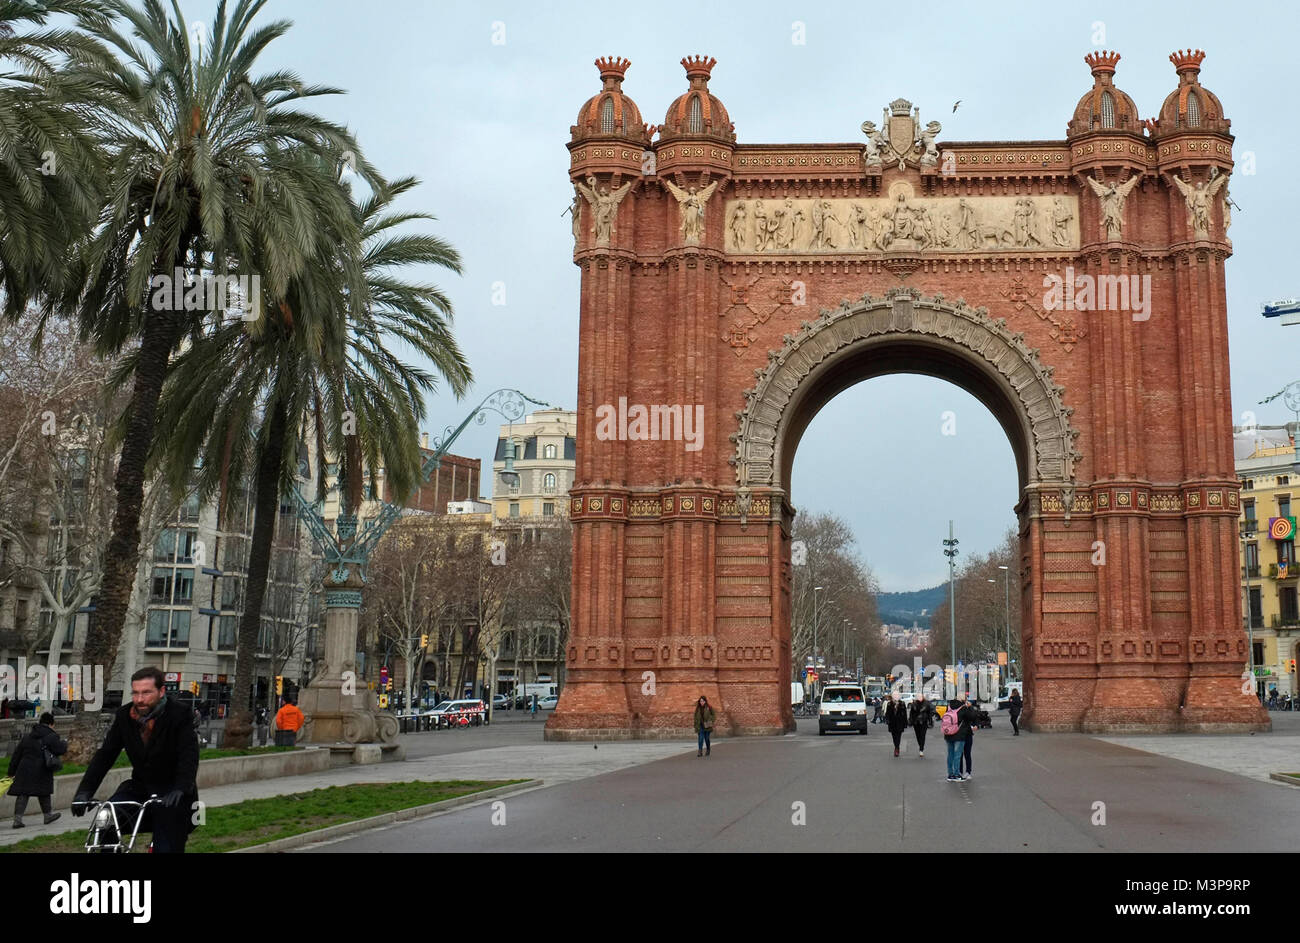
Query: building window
{"type": "Point", "coordinates": [1286, 551]}
{"type": "Point", "coordinates": [156, 628]}
{"type": "Point", "coordinates": [695, 119]}
{"type": "Point", "coordinates": [161, 586]}
{"type": "Point", "coordinates": [1252, 559]}
{"type": "Point", "coordinates": [1284, 505]}
{"type": "Point", "coordinates": [1283, 480]}
{"type": "Point", "coordinates": [1248, 484]}
{"type": "Point", "coordinates": [607, 116]}
{"type": "Point", "coordinates": [548, 483]}
{"type": "Point", "coordinates": [548, 451]}
{"type": "Point", "coordinates": [1107, 110]}
{"type": "Point", "coordinates": [548, 509]}
{"type": "Point", "coordinates": [190, 509]}
{"type": "Point", "coordinates": [1193, 110]}
{"type": "Point", "coordinates": [1286, 597]}
{"type": "Point", "coordinates": [164, 548]}
{"type": "Point", "coordinates": [184, 585]}
{"type": "Point", "coordinates": [1256, 611]}
{"type": "Point", "coordinates": [1248, 512]}
{"type": "Point", "coordinates": [514, 509]}
{"type": "Point", "coordinates": [1258, 649]}
{"type": "Point", "coordinates": [228, 633]}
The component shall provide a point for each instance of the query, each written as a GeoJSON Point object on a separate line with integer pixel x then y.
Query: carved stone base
{"type": "Point", "coordinates": [334, 717]}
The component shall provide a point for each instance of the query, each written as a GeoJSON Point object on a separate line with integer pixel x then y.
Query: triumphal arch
{"type": "Point", "coordinates": [1075, 286]}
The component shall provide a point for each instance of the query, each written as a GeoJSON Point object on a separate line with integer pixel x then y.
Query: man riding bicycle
{"type": "Point", "coordinates": [158, 736]}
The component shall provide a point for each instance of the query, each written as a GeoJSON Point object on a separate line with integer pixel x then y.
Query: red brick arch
{"type": "Point", "coordinates": [1121, 424]}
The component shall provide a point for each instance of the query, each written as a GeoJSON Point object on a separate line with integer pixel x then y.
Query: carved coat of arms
{"type": "Point", "coordinates": [901, 138]}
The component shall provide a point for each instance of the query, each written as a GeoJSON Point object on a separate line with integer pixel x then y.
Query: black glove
{"type": "Point", "coordinates": [81, 803]}
{"type": "Point", "coordinates": [173, 799]}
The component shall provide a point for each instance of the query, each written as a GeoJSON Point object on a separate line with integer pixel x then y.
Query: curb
{"type": "Point", "coordinates": [1291, 779]}
{"type": "Point", "coordinates": [388, 818]}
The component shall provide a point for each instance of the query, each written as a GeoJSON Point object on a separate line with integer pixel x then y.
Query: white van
{"type": "Point", "coordinates": [796, 693]}
{"type": "Point", "coordinates": [842, 707]}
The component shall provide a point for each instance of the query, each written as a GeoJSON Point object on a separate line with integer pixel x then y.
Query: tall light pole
{"type": "Point", "coordinates": [1006, 583]}
{"type": "Point", "coordinates": [950, 551]}
{"type": "Point", "coordinates": [816, 670]}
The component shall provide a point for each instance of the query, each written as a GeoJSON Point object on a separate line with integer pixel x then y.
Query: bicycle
{"type": "Point", "coordinates": [105, 834]}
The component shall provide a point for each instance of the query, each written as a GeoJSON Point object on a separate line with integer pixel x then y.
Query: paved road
{"type": "Point", "coordinates": [1029, 793]}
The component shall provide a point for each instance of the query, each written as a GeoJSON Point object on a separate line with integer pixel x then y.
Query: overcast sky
{"type": "Point", "coordinates": [484, 124]}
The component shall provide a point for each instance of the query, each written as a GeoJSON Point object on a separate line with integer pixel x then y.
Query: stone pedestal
{"type": "Point", "coordinates": [339, 708]}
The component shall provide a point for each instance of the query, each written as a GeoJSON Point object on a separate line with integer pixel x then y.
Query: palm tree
{"type": "Point", "coordinates": [49, 176]}
{"type": "Point", "coordinates": [318, 357]}
{"type": "Point", "coordinates": [204, 178]}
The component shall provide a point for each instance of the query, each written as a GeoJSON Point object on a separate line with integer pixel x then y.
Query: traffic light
{"type": "Point", "coordinates": [279, 684]}
{"type": "Point", "coordinates": [194, 688]}
{"type": "Point", "coordinates": [1293, 666]}
{"type": "Point", "coordinates": [424, 640]}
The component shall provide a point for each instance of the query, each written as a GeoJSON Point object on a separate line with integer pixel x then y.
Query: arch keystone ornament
{"type": "Point", "coordinates": [810, 268]}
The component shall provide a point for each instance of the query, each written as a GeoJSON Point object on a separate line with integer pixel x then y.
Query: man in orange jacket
{"type": "Point", "coordinates": [288, 721]}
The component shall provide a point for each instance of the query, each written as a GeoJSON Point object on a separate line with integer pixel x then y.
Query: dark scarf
{"type": "Point", "coordinates": [146, 722]}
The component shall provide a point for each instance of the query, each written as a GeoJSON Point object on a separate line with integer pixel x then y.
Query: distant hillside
{"type": "Point", "coordinates": [905, 608]}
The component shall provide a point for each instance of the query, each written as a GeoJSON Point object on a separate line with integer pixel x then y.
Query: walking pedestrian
{"type": "Point", "coordinates": [896, 720]}
{"type": "Point", "coordinates": [950, 727]}
{"type": "Point", "coordinates": [1016, 706]}
{"type": "Point", "coordinates": [288, 721]}
{"type": "Point", "coordinates": [876, 702]}
{"type": "Point", "coordinates": [921, 717]}
{"type": "Point", "coordinates": [967, 718]}
{"type": "Point", "coordinates": [704, 720]}
{"type": "Point", "coordinates": [32, 774]}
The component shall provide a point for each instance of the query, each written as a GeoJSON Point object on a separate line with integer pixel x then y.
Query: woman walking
{"type": "Point", "coordinates": [1016, 705]}
{"type": "Point", "coordinates": [32, 777]}
{"type": "Point", "coordinates": [896, 720]}
{"type": "Point", "coordinates": [969, 721]}
{"type": "Point", "coordinates": [921, 717]}
{"type": "Point", "coordinates": [704, 719]}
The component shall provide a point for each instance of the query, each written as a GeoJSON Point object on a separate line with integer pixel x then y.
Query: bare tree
{"type": "Point", "coordinates": [842, 616]}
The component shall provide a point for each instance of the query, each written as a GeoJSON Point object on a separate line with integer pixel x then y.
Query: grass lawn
{"type": "Point", "coordinates": [209, 754]}
{"type": "Point", "coordinates": [255, 821]}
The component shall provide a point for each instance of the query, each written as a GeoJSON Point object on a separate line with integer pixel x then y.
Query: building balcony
{"type": "Point", "coordinates": [1250, 572]}
{"type": "Point", "coordinates": [1293, 572]}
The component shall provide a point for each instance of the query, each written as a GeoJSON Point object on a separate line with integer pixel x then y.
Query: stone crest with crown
{"type": "Point", "coordinates": [901, 138]}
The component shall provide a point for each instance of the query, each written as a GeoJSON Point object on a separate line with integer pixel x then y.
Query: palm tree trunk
{"type": "Point", "coordinates": [266, 506]}
{"type": "Point", "coordinates": [122, 554]}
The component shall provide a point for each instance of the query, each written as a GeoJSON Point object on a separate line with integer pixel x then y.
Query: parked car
{"type": "Point", "coordinates": [548, 703]}
{"type": "Point", "coordinates": [501, 702]}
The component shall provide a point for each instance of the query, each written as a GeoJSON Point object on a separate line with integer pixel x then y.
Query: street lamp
{"type": "Point", "coordinates": [1006, 582]}
{"type": "Point", "coordinates": [816, 590]}
{"type": "Point", "coordinates": [950, 551]}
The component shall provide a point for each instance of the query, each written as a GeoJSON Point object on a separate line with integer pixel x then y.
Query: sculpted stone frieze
{"type": "Point", "coordinates": [902, 222]}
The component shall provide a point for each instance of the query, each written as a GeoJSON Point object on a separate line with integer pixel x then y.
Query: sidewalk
{"type": "Point", "coordinates": [550, 762]}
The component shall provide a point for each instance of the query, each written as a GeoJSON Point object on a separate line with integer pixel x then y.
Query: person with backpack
{"type": "Point", "coordinates": [921, 718]}
{"type": "Point", "coordinates": [896, 720]}
{"type": "Point", "coordinates": [950, 727]}
{"type": "Point", "coordinates": [1015, 707]}
{"type": "Point", "coordinates": [33, 765]}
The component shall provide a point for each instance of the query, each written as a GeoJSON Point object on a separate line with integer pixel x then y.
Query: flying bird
{"type": "Point", "coordinates": [955, 104]}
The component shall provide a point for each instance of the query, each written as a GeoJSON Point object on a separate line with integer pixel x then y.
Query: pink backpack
{"type": "Point", "coordinates": [950, 723]}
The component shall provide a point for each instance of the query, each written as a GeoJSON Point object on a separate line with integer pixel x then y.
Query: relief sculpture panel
{"type": "Point", "coordinates": [902, 222]}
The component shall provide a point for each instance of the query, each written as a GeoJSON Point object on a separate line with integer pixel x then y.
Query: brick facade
{"type": "Point", "coordinates": [1121, 424]}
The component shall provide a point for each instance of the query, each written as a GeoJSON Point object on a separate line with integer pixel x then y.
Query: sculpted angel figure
{"type": "Point", "coordinates": [604, 205]}
{"type": "Point", "coordinates": [1112, 197]}
{"type": "Point", "coordinates": [1198, 200]}
{"type": "Point", "coordinates": [691, 203]}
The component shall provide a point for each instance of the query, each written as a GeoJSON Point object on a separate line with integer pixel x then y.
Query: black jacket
{"type": "Point", "coordinates": [896, 716]}
{"type": "Point", "coordinates": [967, 722]}
{"type": "Point", "coordinates": [921, 714]}
{"type": "Point", "coordinates": [170, 761]}
{"type": "Point", "coordinates": [27, 765]}
{"type": "Point", "coordinates": [1016, 704]}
